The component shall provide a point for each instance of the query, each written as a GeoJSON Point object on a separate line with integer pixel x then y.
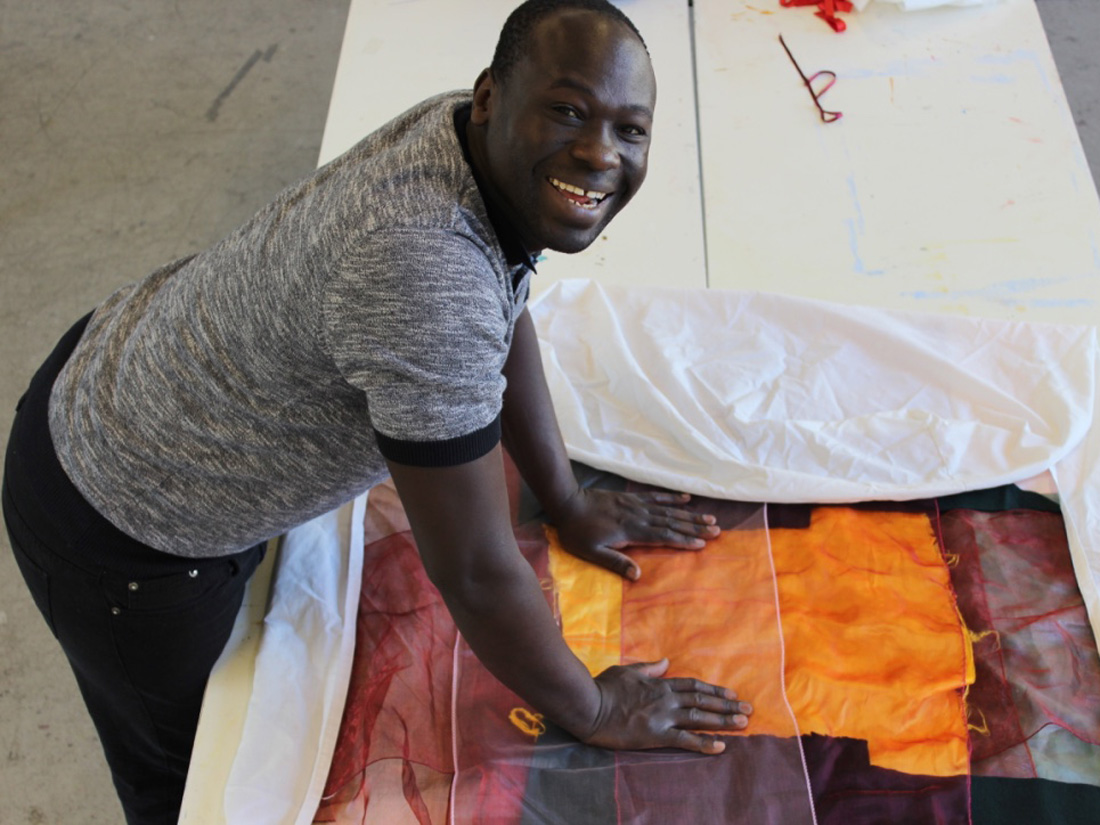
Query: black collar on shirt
{"type": "Point", "coordinates": [510, 243]}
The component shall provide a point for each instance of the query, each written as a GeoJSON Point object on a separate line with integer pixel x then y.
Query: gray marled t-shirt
{"type": "Point", "coordinates": [232, 395]}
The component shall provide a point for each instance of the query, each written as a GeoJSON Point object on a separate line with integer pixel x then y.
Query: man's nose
{"type": "Point", "coordinates": [595, 146]}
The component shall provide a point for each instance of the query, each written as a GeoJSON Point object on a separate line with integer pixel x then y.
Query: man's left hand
{"type": "Point", "coordinates": [595, 525]}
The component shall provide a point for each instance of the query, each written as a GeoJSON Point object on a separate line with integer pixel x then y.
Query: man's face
{"type": "Point", "coordinates": [565, 136]}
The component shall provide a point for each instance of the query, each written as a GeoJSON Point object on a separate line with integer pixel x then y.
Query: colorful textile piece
{"type": "Point", "coordinates": [1036, 710]}
{"type": "Point", "coordinates": [714, 615]}
{"type": "Point", "coordinates": [879, 645]}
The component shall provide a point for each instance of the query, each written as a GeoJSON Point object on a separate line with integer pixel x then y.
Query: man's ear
{"type": "Point", "coordinates": [484, 90]}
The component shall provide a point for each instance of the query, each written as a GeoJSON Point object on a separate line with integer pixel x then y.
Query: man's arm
{"type": "Point", "coordinates": [460, 519]}
{"type": "Point", "coordinates": [594, 525]}
{"type": "Point", "coordinates": [529, 427]}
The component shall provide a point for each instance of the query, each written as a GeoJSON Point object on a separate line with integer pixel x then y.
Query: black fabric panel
{"type": "Point", "coordinates": [569, 783]}
{"type": "Point", "coordinates": [995, 499]}
{"type": "Point", "coordinates": [998, 801]}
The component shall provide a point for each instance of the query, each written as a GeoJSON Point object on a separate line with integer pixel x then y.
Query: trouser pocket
{"type": "Point", "coordinates": [38, 582]}
{"type": "Point", "coordinates": [34, 574]}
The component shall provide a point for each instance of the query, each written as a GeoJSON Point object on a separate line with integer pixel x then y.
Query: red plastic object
{"type": "Point", "coordinates": [827, 10]}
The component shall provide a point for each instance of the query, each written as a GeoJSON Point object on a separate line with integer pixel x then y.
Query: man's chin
{"type": "Point", "coordinates": [569, 248]}
{"type": "Point", "coordinates": [572, 242]}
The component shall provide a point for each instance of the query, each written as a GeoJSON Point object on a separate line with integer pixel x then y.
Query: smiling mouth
{"type": "Point", "coordinates": [584, 198]}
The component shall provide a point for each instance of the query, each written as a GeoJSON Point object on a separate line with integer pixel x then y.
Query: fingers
{"type": "Point", "coordinates": [688, 741]}
{"type": "Point", "coordinates": [708, 707]}
{"type": "Point", "coordinates": [693, 718]}
{"type": "Point", "coordinates": [706, 711]}
{"type": "Point", "coordinates": [664, 503]}
{"type": "Point", "coordinates": [699, 705]}
{"type": "Point", "coordinates": [668, 532]}
{"type": "Point", "coordinates": [685, 684]}
{"type": "Point", "coordinates": [672, 526]}
{"type": "Point", "coordinates": [616, 562]}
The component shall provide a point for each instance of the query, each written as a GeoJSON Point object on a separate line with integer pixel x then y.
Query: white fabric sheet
{"type": "Point", "coordinates": [737, 395]}
{"type": "Point", "coordinates": [919, 5]}
{"type": "Point", "coordinates": [302, 672]}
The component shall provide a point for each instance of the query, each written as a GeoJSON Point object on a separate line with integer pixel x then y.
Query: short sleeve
{"type": "Point", "coordinates": [421, 321]}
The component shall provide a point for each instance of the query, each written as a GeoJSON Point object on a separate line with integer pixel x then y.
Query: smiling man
{"type": "Point", "coordinates": [370, 321]}
{"type": "Point", "coordinates": [561, 133]}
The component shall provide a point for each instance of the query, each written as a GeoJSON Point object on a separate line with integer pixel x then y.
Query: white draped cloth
{"type": "Point", "coordinates": [917, 5]}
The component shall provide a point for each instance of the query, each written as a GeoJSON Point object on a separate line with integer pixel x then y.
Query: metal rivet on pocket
{"type": "Point", "coordinates": [134, 585]}
{"type": "Point", "coordinates": [193, 573]}
{"type": "Point", "coordinates": [115, 611]}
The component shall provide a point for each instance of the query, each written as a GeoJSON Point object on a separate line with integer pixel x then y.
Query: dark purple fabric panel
{"type": "Point", "coordinates": [848, 790]}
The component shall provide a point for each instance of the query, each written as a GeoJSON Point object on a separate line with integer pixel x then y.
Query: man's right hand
{"type": "Point", "coordinates": [639, 709]}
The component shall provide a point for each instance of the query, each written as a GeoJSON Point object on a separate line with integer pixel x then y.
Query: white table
{"type": "Point", "coordinates": [955, 181]}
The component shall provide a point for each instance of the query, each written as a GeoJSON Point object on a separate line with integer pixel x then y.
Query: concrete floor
{"type": "Point", "coordinates": [134, 133]}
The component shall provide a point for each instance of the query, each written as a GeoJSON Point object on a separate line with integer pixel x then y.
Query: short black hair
{"type": "Point", "coordinates": [517, 29]}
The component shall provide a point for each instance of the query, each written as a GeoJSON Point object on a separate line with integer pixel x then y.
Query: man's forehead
{"type": "Point", "coordinates": [578, 19]}
{"type": "Point", "coordinates": [563, 44]}
{"type": "Point", "coordinates": [571, 31]}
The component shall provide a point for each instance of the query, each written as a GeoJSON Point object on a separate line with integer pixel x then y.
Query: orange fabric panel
{"type": "Point", "coordinates": [589, 604]}
{"type": "Point", "coordinates": [874, 645]}
{"type": "Point", "coordinates": [713, 614]}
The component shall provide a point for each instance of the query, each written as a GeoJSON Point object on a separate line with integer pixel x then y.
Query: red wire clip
{"type": "Point", "coordinates": [826, 116]}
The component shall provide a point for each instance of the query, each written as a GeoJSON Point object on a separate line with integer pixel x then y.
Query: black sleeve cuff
{"type": "Point", "coordinates": [446, 453]}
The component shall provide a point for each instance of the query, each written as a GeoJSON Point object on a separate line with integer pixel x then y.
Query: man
{"type": "Point", "coordinates": [369, 321]}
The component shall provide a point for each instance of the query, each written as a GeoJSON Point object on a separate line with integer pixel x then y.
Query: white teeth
{"type": "Point", "coordinates": [576, 190]}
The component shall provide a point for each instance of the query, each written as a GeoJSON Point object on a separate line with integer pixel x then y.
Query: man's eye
{"type": "Point", "coordinates": [634, 131]}
{"type": "Point", "coordinates": [568, 111]}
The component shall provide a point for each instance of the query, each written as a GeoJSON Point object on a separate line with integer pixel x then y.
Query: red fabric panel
{"type": "Point", "coordinates": [1035, 654]}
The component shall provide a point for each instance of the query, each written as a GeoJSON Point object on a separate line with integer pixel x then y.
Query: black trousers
{"type": "Point", "coordinates": [141, 628]}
